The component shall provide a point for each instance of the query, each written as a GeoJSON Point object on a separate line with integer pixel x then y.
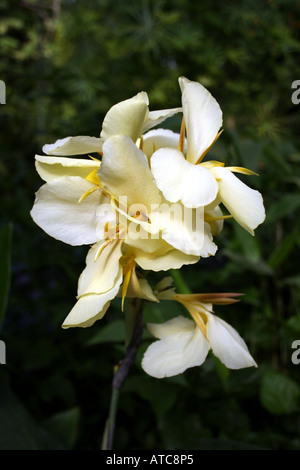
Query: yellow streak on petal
{"type": "Point", "coordinates": [208, 148]}
{"type": "Point", "coordinates": [125, 287]}
{"type": "Point", "coordinates": [96, 159]}
{"type": "Point", "coordinates": [212, 164]}
{"type": "Point", "coordinates": [101, 248]}
{"type": "Point", "coordinates": [141, 143]}
{"type": "Point", "coordinates": [199, 321]}
{"type": "Point", "coordinates": [127, 271]}
{"type": "Point", "coordinates": [211, 218]}
{"type": "Point", "coordinates": [193, 308]}
{"type": "Point", "coordinates": [181, 136]}
{"type": "Point", "coordinates": [239, 169]}
{"type": "Point", "coordinates": [87, 193]}
{"type": "Point", "coordinates": [106, 243]}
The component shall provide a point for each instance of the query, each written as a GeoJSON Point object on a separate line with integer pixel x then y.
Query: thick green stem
{"type": "Point", "coordinates": [120, 375]}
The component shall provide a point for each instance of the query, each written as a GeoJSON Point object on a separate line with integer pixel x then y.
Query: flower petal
{"type": "Point", "coordinates": [174, 354]}
{"type": "Point", "coordinates": [152, 253]}
{"type": "Point", "coordinates": [157, 117]}
{"type": "Point", "coordinates": [171, 327]}
{"type": "Point", "coordinates": [100, 272]}
{"type": "Point", "coordinates": [227, 344]}
{"type": "Point", "coordinates": [180, 180]}
{"type": "Point", "coordinates": [126, 118]}
{"type": "Point", "coordinates": [184, 229]}
{"type": "Point", "coordinates": [202, 115]}
{"type": "Point", "coordinates": [79, 145]}
{"type": "Point", "coordinates": [163, 261]}
{"type": "Point", "coordinates": [50, 168]}
{"type": "Point", "coordinates": [125, 173]}
{"type": "Point", "coordinates": [92, 307]}
{"type": "Point", "coordinates": [57, 211]}
{"type": "Point", "coordinates": [159, 138]}
{"type": "Point", "coordinates": [138, 239]}
{"type": "Point", "coordinates": [243, 203]}
{"type": "Point", "coordinates": [215, 219]}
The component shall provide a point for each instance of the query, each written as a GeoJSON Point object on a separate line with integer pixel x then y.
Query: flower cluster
{"type": "Point", "coordinates": [147, 199]}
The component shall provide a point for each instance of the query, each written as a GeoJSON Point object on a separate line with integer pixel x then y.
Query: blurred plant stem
{"type": "Point", "coordinates": [121, 372]}
{"type": "Point", "coordinates": [180, 283]}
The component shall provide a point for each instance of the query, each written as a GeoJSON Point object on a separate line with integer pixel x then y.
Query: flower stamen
{"type": "Point", "coordinates": [181, 136]}
{"type": "Point", "coordinates": [87, 193]}
{"type": "Point", "coordinates": [208, 148]}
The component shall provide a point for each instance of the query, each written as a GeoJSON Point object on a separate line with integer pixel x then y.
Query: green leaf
{"type": "Point", "coordinates": [65, 426]}
{"type": "Point", "coordinates": [248, 243]}
{"type": "Point", "coordinates": [222, 371]}
{"type": "Point", "coordinates": [284, 249]}
{"type": "Point", "coordinates": [293, 323]}
{"type": "Point", "coordinates": [279, 394]}
{"type": "Point", "coordinates": [259, 267]}
{"type": "Point", "coordinates": [18, 430]}
{"type": "Point", "coordinates": [110, 333]}
{"type": "Point", "coordinates": [287, 204]}
{"type": "Point", "coordinates": [161, 395]}
{"type": "Point", "coordinates": [292, 281]}
{"type": "Point", "coordinates": [5, 272]}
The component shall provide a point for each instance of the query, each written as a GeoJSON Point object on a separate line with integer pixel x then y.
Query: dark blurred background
{"type": "Point", "coordinates": [65, 63]}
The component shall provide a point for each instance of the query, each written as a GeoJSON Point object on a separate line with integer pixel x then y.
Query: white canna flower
{"type": "Point", "coordinates": [184, 343]}
{"type": "Point", "coordinates": [77, 210]}
{"type": "Point", "coordinates": [184, 176]}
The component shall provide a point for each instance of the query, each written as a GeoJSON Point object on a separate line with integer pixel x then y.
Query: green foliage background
{"type": "Point", "coordinates": [65, 63]}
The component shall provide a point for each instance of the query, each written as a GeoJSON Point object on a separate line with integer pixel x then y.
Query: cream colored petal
{"type": "Point", "coordinates": [159, 138]}
{"type": "Point", "coordinates": [100, 272]}
{"type": "Point", "coordinates": [215, 220]}
{"type": "Point", "coordinates": [173, 354]}
{"type": "Point", "coordinates": [180, 180]}
{"type": "Point", "coordinates": [227, 344]}
{"type": "Point", "coordinates": [176, 325]}
{"type": "Point", "coordinates": [90, 308]}
{"type": "Point", "coordinates": [139, 239]}
{"type": "Point", "coordinates": [50, 168]}
{"type": "Point", "coordinates": [243, 203]}
{"type": "Point", "coordinates": [126, 118]}
{"type": "Point", "coordinates": [163, 261]}
{"type": "Point", "coordinates": [125, 173]}
{"type": "Point", "coordinates": [184, 229]}
{"type": "Point", "coordinates": [202, 115]}
{"type": "Point", "coordinates": [79, 145]}
{"type": "Point", "coordinates": [57, 211]}
{"type": "Point", "coordinates": [154, 118]}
